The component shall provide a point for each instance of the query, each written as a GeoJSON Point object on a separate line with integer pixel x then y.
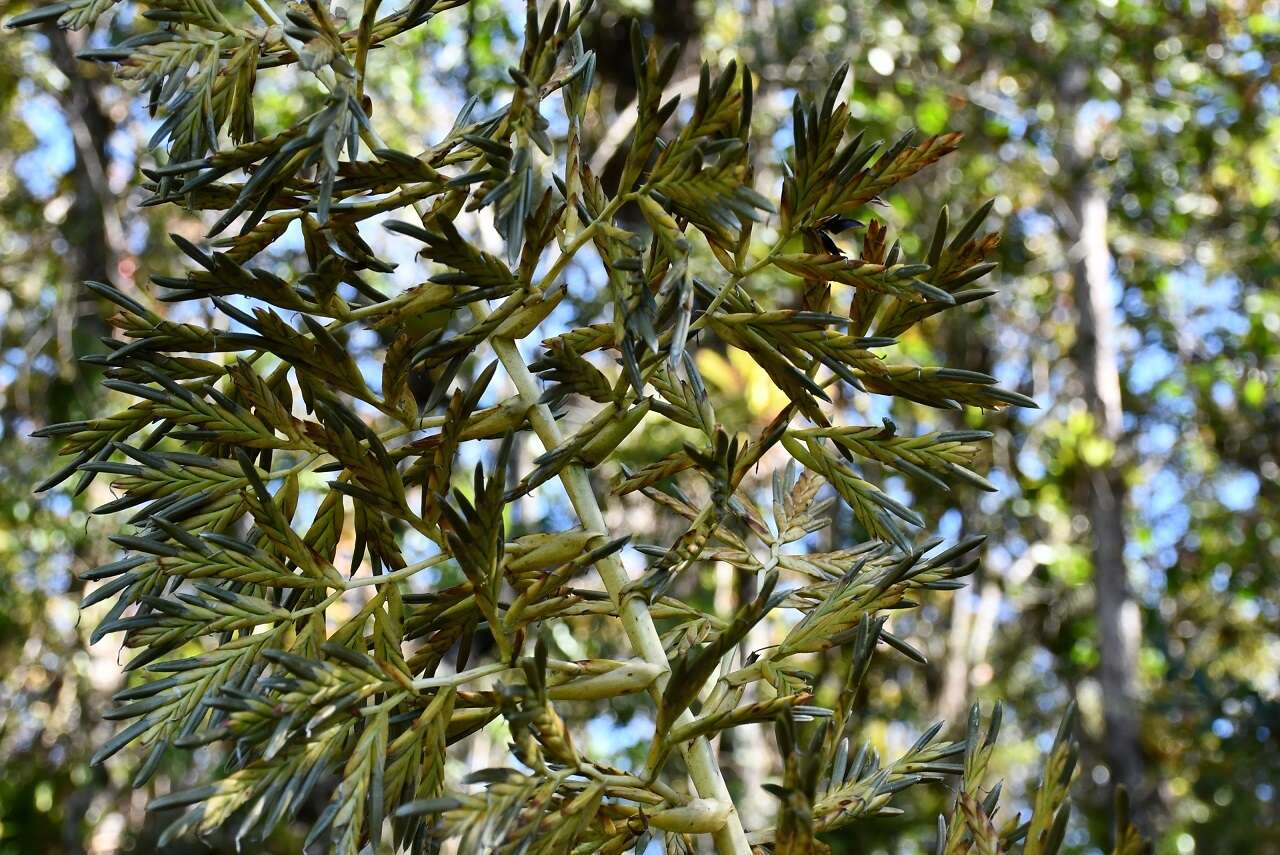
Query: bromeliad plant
{"type": "Point", "coordinates": [309, 626]}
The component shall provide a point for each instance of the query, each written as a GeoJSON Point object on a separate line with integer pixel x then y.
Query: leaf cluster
{"type": "Point", "coordinates": [310, 577]}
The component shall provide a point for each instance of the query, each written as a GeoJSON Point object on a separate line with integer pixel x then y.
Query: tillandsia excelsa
{"type": "Point", "coordinates": [311, 578]}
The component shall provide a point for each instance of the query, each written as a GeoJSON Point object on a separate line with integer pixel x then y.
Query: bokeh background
{"type": "Point", "coordinates": [1133, 153]}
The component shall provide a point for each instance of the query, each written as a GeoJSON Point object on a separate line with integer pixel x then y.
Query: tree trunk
{"type": "Point", "coordinates": [92, 228]}
{"type": "Point", "coordinates": [93, 236]}
{"type": "Point", "coordinates": [1101, 491]}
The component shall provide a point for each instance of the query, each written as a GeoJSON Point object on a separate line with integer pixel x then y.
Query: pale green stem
{"type": "Point", "coordinates": [734, 281]}
{"type": "Point", "coordinates": [318, 607]}
{"type": "Point", "coordinates": [317, 457]}
{"type": "Point", "coordinates": [389, 704]}
{"type": "Point", "coordinates": [398, 575]}
{"type": "Point", "coordinates": [461, 677]}
{"type": "Point", "coordinates": [579, 241]}
{"type": "Point", "coordinates": [639, 626]}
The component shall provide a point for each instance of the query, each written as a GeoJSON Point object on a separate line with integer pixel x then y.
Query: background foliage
{"type": "Point", "coordinates": [1167, 112]}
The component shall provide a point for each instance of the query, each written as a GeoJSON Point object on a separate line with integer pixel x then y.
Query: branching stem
{"type": "Point", "coordinates": [636, 621]}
